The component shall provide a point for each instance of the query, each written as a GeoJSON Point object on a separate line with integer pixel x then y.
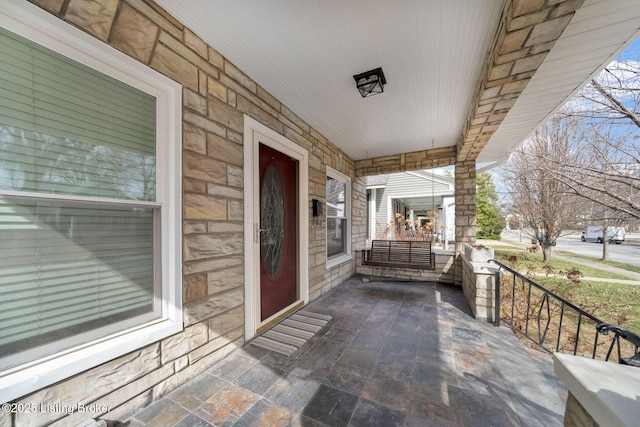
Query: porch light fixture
{"type": "Point", "coordinates": [370, 82]}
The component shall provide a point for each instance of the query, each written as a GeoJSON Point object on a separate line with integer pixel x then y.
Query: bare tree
{"type": "Point", "coordinates": [606, 169]}
{"type": "Point", "coordinates": [613, 95]}
{"type": "Point", "coordinates": [607, 172]}
{"type": "Point", "coordinates": [588, 155]}
{"type": "Point", "coordinates": [544, 202]}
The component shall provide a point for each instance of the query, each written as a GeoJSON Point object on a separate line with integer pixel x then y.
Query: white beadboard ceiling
{"type": "Point", "coordinates": [305, 53]}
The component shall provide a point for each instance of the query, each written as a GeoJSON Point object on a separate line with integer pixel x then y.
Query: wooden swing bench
{"type": "Point", "coordinates": [410, 254]}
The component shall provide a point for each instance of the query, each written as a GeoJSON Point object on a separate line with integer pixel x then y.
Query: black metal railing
{"type": "Point", "coordinates": [555, 324]}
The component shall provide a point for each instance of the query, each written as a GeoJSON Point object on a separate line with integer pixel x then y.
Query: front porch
{"type": "Point", "coordinates": [395, 353]}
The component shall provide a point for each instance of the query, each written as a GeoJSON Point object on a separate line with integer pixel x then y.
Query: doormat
{"type": "Point", "coordinates": [289, 335]}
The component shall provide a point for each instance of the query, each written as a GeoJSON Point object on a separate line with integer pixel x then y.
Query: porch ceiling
{"type": "Point", "coordinates": [438, 58]}
{"type": "Point", "coordinates": [424, 203]}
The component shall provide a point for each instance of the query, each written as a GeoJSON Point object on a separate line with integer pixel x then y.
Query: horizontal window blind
{"type": "Point", "coordinates": [68, 129]}
{"type": "Point", "coordinates": [335, 198]}
{"type": "Point", "coordinates": [71, 271]}
{"type": "Point", "coordinates": [67, 270]}
{"type": "Point", "coordinates": [336, 217]}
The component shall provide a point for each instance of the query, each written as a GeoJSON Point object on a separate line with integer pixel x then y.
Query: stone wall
{"type": "Point", "coordinates": [527, 31]}
{"type": "Point", "coordinates": [216, 94]}
{"type": "Point", "coordinates": [465, 199]}
{"type": "Point", "coordinates": [425, 159]}
{"type": "Point", "coordinates": [478, 286]}
{"type": "Point", "coordinates": [576, 415]}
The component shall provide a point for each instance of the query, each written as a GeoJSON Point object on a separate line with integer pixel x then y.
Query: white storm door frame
{"type": "Point", "coordinates": [254, 134]}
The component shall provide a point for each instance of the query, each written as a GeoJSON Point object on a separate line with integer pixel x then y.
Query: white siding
{"type": "Point", "coordinates": [412, 185]}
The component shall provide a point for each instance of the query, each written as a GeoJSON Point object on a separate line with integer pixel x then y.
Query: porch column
{"type": "Point", "coordinates": [465, 199]}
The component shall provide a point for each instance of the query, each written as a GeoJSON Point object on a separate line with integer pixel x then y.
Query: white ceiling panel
{"type": "Point", "coordinates": [305, 52]}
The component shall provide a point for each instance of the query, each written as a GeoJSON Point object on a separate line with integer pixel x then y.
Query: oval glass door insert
{"type": "Point", "coordinates": [272, 220]}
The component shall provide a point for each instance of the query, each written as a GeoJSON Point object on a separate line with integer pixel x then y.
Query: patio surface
{"type": "Point", "coordinates": [394, 354]}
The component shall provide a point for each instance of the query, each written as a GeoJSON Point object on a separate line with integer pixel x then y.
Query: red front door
{"type": "Point", "coordinates": [278, 231]}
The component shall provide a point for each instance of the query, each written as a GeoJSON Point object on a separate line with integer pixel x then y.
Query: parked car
{"type": "Point", "coordinates": [594, 234]}
{"type": "Point", "coordinates": [543, 240]}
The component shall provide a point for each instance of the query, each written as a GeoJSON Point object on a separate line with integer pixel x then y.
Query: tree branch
{"type": "Point", "coordinates": [619, 106]}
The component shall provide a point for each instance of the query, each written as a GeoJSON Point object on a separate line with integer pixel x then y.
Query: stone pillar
{"type": "Point", "coordinates": [576, 415]}
{"type": "Point", "coordinates": [465, 198]}
{"type": "Point", "coordinates": [478, 282]}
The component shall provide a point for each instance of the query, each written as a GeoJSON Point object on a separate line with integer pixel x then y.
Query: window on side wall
{"type": "Point", "coordinates": [87, 209]}
{"type": "Point", "coordinates": [338, 217]}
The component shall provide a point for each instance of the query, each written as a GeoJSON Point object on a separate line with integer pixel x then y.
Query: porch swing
{"type": "Point", "coordinates": [409, 254]}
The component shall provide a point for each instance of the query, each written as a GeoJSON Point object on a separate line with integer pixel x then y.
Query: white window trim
{"type": "Point", "coordinates": [373, 209]}
{"type": "Point", "coordinates": [31, 22]}
{"type": "Point", "coordinates": [347, 256]}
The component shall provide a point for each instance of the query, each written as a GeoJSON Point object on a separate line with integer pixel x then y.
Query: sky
{"type": "Point", "coordinates": [631, 53]}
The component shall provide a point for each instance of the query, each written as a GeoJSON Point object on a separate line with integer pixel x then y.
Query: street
{"type": "Point", "coordinates": [627, 252]}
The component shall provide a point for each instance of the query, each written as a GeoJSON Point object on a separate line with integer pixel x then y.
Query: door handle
{"type": "Point", "coordinates": [257, 231]}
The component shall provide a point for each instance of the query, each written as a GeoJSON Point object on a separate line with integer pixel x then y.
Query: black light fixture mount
{"type": "Point", "coordinates": [370, 82]}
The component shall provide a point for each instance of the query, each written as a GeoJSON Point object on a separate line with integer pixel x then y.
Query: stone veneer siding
{"type": "Point", "coordinates": [527, 31]}
{"type": "Point", "coordinates": [478, 286]}
{"type": "Point", "coordinates": [216, 94]}
{"type": "Point", "coordinates": [465, 199]}
{"type": "Point", "coordinates": [416, 160]}
{"type": "Point", "coordinates": [576, 415]}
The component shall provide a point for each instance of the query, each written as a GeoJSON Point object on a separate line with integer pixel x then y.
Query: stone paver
{"type": "Point", "coordinates": [394, 354]}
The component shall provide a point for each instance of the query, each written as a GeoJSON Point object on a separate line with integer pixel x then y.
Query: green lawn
{"type": "Point", "coordinates": [611, 302]}
{"type": "Point", "coordinates": [629, 267]}
{"type": "Point", "coordinates": [535, 260]}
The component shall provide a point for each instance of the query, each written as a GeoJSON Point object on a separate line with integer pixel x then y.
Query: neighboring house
{"type": "Point", "coordinates": [156, 195]}
{"type": "Point", "coordinates": [416, 196]}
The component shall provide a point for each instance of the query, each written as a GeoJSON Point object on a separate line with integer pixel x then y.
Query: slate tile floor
{"type": "Point", "coordinates": [394, 354]}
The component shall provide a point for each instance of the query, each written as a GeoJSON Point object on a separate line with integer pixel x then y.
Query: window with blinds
{"type": "Point", "coordinates": [338, 216]}
{"type": "Point", "coordinates": [79, 217]}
